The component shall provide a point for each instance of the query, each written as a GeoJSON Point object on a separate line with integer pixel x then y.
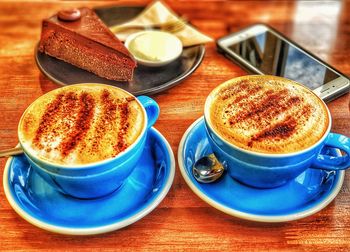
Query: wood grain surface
{"type": "Point", "coordinates": [182, 221]}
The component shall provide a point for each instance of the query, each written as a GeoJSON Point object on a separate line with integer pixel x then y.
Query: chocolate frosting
{"type": "Point", "coordinates": [90, 26]}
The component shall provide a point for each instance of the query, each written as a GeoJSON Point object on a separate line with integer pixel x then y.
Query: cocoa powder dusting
{"type": "Point", "coordinates": [124, 125]}
{"type": "Point", "coordinates": [281, 130]}
{"type": "Point", "coordinates": [47, 119]}
{"type": "Point", "coordinates": [306, 111]}
{"type": "Point", "coordinates": [71, 116]}
{"type": "Point", "coordinates": [250, 92]}
{"type": "Point", "coordinates": [227, 92]}
{"type": "Point", "coordinates": [106, 120]}
{"type": "Point", "coordinates": [272, 112]}
{"type": "Point", "coordinates": [272, 104]}
{"type": "Point", "coordinates": [81, 125]}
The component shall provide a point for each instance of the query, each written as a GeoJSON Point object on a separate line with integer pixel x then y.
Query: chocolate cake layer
{"type": "Point", "coordinates": [87, 43]}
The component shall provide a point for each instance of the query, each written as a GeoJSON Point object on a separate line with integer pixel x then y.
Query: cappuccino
{"type": "Point", "coordinates": [81, 124]}
{"type": "Point", "coordinates": [267, 114]}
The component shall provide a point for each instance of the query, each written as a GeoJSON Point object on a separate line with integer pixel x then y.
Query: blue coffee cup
{"type": "Point", "coordinates": [99, 178]}
{"type": "Point", "coordinates": [263, 170]}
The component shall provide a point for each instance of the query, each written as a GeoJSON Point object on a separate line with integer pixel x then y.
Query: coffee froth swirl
{"type": "Point", "coordinates": [267, 114]}
{"type": "Point", "coordinates": [81, 124]}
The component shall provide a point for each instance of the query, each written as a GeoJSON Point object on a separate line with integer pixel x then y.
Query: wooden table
{"type": "Point", "coordinates": [182, 221]}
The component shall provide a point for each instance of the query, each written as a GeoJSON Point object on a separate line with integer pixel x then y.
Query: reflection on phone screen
{"type": "Point", "coordinates": [272, 55]}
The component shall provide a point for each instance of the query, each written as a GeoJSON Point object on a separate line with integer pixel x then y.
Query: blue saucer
{"type": "Point", "coordinates": [38, 203]}
{"type": "Point", "coordinates": [305, 195]}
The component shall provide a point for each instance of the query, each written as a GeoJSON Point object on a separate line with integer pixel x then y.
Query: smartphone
{"type": "Point", "coordinates": [261, 49]}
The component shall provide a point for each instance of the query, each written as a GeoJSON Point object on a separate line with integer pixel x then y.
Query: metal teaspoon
{"type": "Point", "coordinates": [207, 169]}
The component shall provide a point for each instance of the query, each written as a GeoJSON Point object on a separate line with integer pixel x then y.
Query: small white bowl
{"type": "Point", "coordinates": [154, 48]}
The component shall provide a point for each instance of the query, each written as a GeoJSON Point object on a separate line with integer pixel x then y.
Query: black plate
{"type": "Point", "coordinates": [147, 80]}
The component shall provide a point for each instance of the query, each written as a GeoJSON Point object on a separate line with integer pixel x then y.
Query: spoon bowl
{"type": "Point", "coordinates": [207, 169]}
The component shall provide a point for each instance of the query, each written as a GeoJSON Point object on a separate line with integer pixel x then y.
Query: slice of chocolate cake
{"type": "Point", "coordinates": [80, 38]}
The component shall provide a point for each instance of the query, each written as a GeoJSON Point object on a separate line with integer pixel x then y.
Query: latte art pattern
{"type": "Point", "coordinates": [81, 124]}
{"type": "Point", "coordinates": [267, 114]}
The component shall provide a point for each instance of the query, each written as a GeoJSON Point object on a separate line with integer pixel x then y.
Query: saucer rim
{"type": "Point", "coordinates": [99, 229]}
{"type": "Point", "coordinates": [245, 215]}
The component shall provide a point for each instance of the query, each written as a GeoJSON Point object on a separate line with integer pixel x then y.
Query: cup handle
{"type": "Point", "coordinates": [152, 109]}
{"type": "Point", "coordinates": [327, 162]}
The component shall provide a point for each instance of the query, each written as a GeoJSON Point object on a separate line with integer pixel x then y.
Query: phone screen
{"type": "Point", "coordinates": [272, 55]}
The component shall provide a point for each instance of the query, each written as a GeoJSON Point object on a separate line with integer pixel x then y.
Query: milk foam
{"type": "Point", "coordinates": [267, 114]}
{"type": "Point", "coordinates": [81, 124]}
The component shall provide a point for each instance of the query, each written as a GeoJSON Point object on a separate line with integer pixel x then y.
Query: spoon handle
{"type": "Point", "coordinates": [11, 152]}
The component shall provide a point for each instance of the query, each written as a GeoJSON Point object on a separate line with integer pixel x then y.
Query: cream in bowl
{"type": "Point", "coordinates": [154, 48]}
